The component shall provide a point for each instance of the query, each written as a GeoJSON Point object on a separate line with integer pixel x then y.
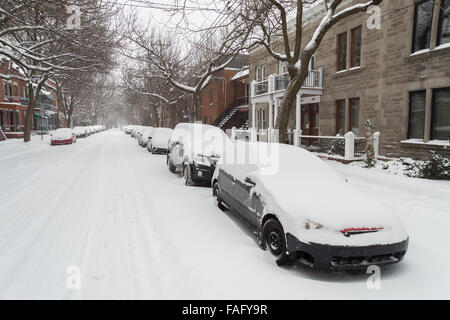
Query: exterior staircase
{"type": "Point", "coordinates": [232, 115]}
{"type": "Point", "coordinates": [2, 135]}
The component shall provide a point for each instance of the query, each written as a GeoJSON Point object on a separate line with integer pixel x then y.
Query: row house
{"type": "Point", "coordinates": [398, 76]}
{"type": "Point", "coordinates": [14, 103]}
{"type": "Point", "coordinates": [224, 101]}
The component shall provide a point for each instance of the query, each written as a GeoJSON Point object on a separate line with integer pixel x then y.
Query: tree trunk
{"type": "Point", "coordinates": [29, 115]}
{"type": "Point", "coordinates": [370, 152]}
{"type": "Point", "coordinates": [196, 105]}
{"type": "Point", "coordinates": [60, 104]}
{"type": "Point", "coordinates": [287, 104]}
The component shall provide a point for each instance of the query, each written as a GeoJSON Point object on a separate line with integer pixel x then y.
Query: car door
{"type": "Point", "coordinates": [237, 194]}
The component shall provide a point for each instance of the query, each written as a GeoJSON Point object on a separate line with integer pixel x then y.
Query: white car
{"type": "Point", "coordinates": [194, 148]}
{"type": "Point", "coordinates": [81, 132]}
{"type": "Point", "coordinates": [160, 140]}
{"type": "Point", "coordinates": [145, 136]}
{"type": "Point", "coordinates": [302, 210]}
{"type": "Point", "coordinates": [63, 136]}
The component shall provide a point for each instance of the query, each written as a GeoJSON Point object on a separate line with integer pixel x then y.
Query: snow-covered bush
{"type": "Point", "coordinates": [437, 167]}
{"type": "Point", "coordinates": [337, 146]}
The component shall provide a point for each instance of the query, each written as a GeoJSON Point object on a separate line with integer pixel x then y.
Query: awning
{"type": "Point", "coordinates": [241, 74]}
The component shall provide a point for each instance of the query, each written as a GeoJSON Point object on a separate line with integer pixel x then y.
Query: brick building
{"type": "Point", "coordinates": [397, 76]}
{"type": "Point", "coordinates": [14, 103]}
{"type": "Point", "coordinates": [224, 101]}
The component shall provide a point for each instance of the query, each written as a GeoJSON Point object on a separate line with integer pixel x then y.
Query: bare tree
{"type": "Point", "coordinates": [188, 70]}
{"type": "Point", "coordinates": [35, 36]}
{"type": "Point", "coordinates": [274, 29]}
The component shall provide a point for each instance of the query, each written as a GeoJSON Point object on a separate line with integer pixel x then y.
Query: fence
{"type": "Point", "coordinates": [348, 147]}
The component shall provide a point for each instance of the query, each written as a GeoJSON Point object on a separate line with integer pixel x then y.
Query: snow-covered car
{"type": "Point", "coordinates": [302, 210]}
{"type": "Point", "coordinates": [194, 148]}
{"type": "Point", "coordinates": [135, 131]}
{"type": "Point", "coordinates": [63, 136]}
{"type": "Point", "coordinates": [145, 136]}
{"type": "Point", "coordinates": [91, 129]}
{"type": "Point", "coordinates": [81, 132]}
{"type": "Point", "coordinates": [160, 140]}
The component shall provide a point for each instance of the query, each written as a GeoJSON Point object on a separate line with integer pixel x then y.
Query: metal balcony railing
{"type": "Point", "coordinates": [280, 82]}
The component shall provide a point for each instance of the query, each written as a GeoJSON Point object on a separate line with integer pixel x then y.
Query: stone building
{"type": "Point", "coordinates": [398, 76]}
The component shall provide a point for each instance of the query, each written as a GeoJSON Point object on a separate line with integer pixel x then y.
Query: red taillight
{"type": "Point", "coordinates": [349, 231]}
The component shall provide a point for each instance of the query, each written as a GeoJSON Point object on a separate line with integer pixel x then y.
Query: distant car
{"type": "Point", "coordinates": [194, 149]}
{"type": "Point", "coordinates": [160, 140]}
{"type": "Point", "coordinates": [145, 136]}
{"type": "Point", "coordinates": [135, 131]}
{"type": "Point", "coordinates": [81, 132]}
{"type": "Point", "coordinates": [63, 136]}
{"type": "Point", "coordinates": [302, 210]}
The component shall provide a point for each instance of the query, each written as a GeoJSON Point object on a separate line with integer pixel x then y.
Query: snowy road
{"type": "Point", "coordinates": [135, 231]}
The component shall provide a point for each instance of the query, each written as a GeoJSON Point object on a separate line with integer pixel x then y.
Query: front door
{"type": "Point", "coordinates": [310, 122]}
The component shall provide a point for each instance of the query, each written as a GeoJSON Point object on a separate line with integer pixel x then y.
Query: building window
{"type": "Point", "coordinates": [342, 51]}
{"type": "Point", "coordinates": [340, 117]}
{"type": "Point", "coordinates": [257, 74]}
{"type": "Point", "coordinates": [311, 63]}
{"type": "Point", "coordinates": [423, 19]}
{"type": "Point", "coordinates": [16, 93]}
{"type": "Point", "coordinates": [354, 115]}
{"type": "Point", "coordinates": [356, 48]}
{"type": "Point", "coordinates": [440, 128]}
{"type": "Point", "coordinates": [444, 23]}
{"type": "Point", "coordinates": [5, 88]}
{"type": "Point", "coordinates": [417, 101]}
{"type": "Point", "coordinates": [260, 118]}
{"type": "Point", "coordinates": [10, 88]}
{"type": "Point", "coordinates": [282, 67]}
{"type": "Point", "coordinates": [263, 72]}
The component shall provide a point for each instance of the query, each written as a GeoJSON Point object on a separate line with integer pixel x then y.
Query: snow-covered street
{"type": "Point", "coordinates": [135, 230]}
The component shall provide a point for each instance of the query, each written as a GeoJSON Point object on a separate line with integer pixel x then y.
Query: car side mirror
{"type": "Point", "coordinates": [250, 181]}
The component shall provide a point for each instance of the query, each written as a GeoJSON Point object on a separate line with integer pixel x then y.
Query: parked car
{"type": "Point", "coordinates": [159, 141]}
{"type": "Point", "coordinates": [302, 210]}
{"type": "Point", "coordinates": [145, 136]}
{"type": "Point", "coordinates": [194, 149]}
{"type": "Point", "coordinates": [81, 132]}
{"type": "Point", "coordinates": [63, 136]}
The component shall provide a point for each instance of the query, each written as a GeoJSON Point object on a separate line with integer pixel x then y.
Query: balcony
{"type": "Point", "coordinates": [277, 84]}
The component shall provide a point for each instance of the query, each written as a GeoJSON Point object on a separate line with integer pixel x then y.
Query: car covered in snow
{"type": "Point", "coordinates": [304, 211]}
{"type": "Point", "coordinates": [81, 132]}
{"type": "Point", "coordinates": [194, 149]}
{"type": "Point", "coordinates": [63, 136]}
{"type": "Point", "coordinates": [160, 140]}
{"type": "Point", "coordinates": [145, 136]}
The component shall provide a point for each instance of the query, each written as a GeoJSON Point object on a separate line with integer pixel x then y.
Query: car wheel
{"type": "Point", "coordinates": [172, 168]}
{"type": "Point", "coordinates": [218, 200]}
{"type": "Point", "coordinates": [187, 175]}
{"type": "Point", "coordinates": [275, 240]}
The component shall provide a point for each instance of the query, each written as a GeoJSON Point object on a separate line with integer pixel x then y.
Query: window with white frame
{"type": "Point", "coordinates": [282, 67]}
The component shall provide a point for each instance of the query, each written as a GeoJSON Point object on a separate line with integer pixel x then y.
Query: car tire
{"type": "Point", "coordinates": [187, 175]}
{"type": "Point", "coordinates": [274, 240]}
{"type": "Point", "coordinates": [218, 200]}
{"type": "Point", "coordinates": [172, 168]}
